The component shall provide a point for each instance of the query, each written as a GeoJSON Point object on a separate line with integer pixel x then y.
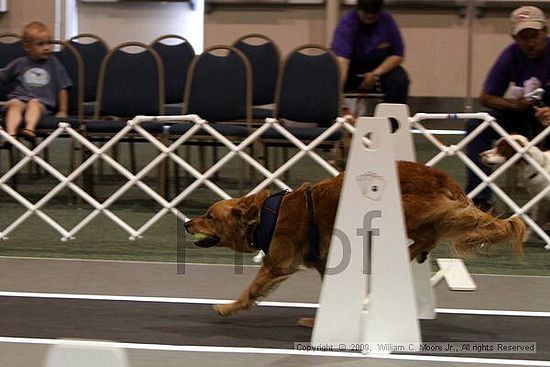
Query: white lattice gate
{"type": "Point", "coordinates": [240, 149]}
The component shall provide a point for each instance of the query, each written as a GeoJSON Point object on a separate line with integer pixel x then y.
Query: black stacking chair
{"type": "Point", "coordinates": [73, 63]}
{"type": "Point", "coordinates": [176, 54]}
{"type": "Point", "coordinates": [93, 50]}
{"type": "Point", "coordinates": [131, 83]}
{"type": "Point", "coordinates": [264, 57]}
{"type": "Point", "coordinates": [11, 47]}
{"type": "Point", "coordinates": [219, 90]}
{"type": "Point", "coordinates": [308, 92]}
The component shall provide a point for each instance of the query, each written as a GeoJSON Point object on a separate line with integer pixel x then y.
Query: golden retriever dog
{"type": "Point", "coordinates": [435, 209]}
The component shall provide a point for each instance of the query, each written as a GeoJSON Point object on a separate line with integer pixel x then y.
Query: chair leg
{"type": "Point", "coordinates": [116, 156]}
{"type": "Point", "coordinates": [14, 155]}
{"type": "Point", "coordinates": [202, 158]}
{"type": "Point", "coordinates": [163, 172]}
{"type": "Point", "coordinates": [266, 157]}
{"type": "Point", "coordinates": [12, 159]}
{"type": "Point", "coordinates": [32, 167]}
{"type": "Point", "coordinates": [73, 198]}
{"type": "Point", "coordinates": [88, 174]}
{"type": "Point", "coordinates": [286, 175]}
{"type": "Point", "coordinates": [189, 157]}
{"type": "Point", "coordinates": [241, 178]}
{"type": "Point", "coordinates": [81, 180]}
{"type": "Point", "coordinates": [214, 160]}
{"type": "Point", "coordinates": [256, 146]}
{"type": "Point", "coordinates": [100, 167]}
{"type": "Point", "coordinates": [46, 151]}
{"type": "Point", "coordinates": [176, 176]}
{"type": "Point", "coordinates": [132, 152]}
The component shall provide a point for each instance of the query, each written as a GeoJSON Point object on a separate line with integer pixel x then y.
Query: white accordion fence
{"type": "Point", "coordinates": [168, 152]}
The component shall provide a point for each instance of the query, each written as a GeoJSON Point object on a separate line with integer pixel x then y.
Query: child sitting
{"type": "Point", "coordinates": [40, 83]}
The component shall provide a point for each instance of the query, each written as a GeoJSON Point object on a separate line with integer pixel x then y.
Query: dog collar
{"type": "Point", "coordinates": [263, 231]}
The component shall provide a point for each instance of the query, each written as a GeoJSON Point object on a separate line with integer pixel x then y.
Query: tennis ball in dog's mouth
{"type": "Point", "coordinates": [199, 236]}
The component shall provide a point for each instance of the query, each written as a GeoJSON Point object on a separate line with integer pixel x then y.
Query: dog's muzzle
{"type": "Point", "coordinates": [491, 158]}
{"type": "Point", "coordinates": [208, 241]}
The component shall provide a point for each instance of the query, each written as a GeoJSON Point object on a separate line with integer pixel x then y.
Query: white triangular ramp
{"type": "Point", "coordinates": [455, 274]}
{"type": "Point", "coordinates": [425, 296]}
{"type": "Point", "coordinates": [404, 150]}
{"type": "Point", "coordinates": [370, 205]}
{"type": "Point", "coordinates": [403, 140]}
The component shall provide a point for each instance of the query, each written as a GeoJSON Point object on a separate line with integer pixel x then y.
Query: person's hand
{"type": "Point", "coordinates": [369, 81]}
{"type": "Point", "coordinates": [543, 114]}
{"type": "Point", "coordinates": [61, 114]}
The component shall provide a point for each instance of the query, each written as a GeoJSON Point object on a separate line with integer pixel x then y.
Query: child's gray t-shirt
{"type": "Point", "coordinates": [40, 79]}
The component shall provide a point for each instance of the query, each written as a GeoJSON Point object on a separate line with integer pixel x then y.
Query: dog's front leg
{"type": "Point", "coordinates": [265, 281]}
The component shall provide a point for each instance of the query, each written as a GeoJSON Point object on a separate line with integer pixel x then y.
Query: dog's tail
{"type": "Point", "coordinates": [470, 229]}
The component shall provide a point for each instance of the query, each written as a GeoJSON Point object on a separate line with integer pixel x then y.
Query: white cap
{"type": "Point", "coordinates": [527, 17]}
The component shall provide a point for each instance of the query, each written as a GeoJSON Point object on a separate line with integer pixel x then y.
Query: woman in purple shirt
{"type": "Point", "coordinates": [369, 49]}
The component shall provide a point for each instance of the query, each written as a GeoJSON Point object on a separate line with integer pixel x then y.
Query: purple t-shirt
{"type": "Point", "coordinates": [40, 79]}
{"type": "Point", "coordinates": [513, 66]}
{"type": "Point", "coordinates": [367, 45]}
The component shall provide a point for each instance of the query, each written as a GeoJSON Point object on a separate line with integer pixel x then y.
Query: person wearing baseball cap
{"type": "Point", "coordinates": [524, 64]}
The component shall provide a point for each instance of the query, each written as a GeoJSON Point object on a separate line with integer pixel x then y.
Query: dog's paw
{"type": "Point", "coordinates": [422, 257]}
{"type": "Point", "coordinates": [224, 310]}
{"type": "Point", "coordinates": [306, 322]}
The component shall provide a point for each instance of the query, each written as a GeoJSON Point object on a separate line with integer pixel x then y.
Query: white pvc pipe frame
{"type": "Point", "coordinates": [270, 177]}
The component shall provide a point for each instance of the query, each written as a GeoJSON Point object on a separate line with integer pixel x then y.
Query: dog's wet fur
{"type": "Point", "coordinates": [435, 209]}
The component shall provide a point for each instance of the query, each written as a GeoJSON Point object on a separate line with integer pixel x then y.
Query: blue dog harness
{"type": "Point", "coordinates": [263, 231]}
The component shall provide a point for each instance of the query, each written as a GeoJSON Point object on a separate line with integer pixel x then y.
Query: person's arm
{"type": "Point", "coordinates": [63, 103]}
{"type": "Point", "coordinates": [501, 103]}
{"type": "Point", "coordinates": [390, 63]}
{"type": "Point", "coordinates": [343, 63]}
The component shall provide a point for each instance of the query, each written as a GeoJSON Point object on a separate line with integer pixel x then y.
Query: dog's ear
{"type": "Point", "coordinates": [248, 207]}
{"type": "Point", "coordinates": [522, 141]}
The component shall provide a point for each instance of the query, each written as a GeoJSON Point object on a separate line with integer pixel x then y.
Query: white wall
{"type": "Point", "coordinates": [288, 27]}
{"type": "Point", "coordinates": [142, 21]}
{"type": "Point", "coordinates": [436, 40]}
{"type": "Point", "coordinates": [437, 51]}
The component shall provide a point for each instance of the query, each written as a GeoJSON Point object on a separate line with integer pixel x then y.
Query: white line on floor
{"type": "Point", "coordinates": [211, 265]}
{"type": "Point", "coordinates": [116, 261]}
{"type": "Point", "coordinates": [242, 350]}
{"type": "Point", "coordinates": [211, 301]}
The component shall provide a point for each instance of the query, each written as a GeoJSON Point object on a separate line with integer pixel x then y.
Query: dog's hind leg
{"type": "Point", "coordinates": [421, 247]}
{"type": "Point", "coordinates": [265, 281]}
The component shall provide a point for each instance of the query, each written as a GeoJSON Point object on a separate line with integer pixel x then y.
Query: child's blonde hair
{"type": "Point", "coordinates": [32, 31]}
